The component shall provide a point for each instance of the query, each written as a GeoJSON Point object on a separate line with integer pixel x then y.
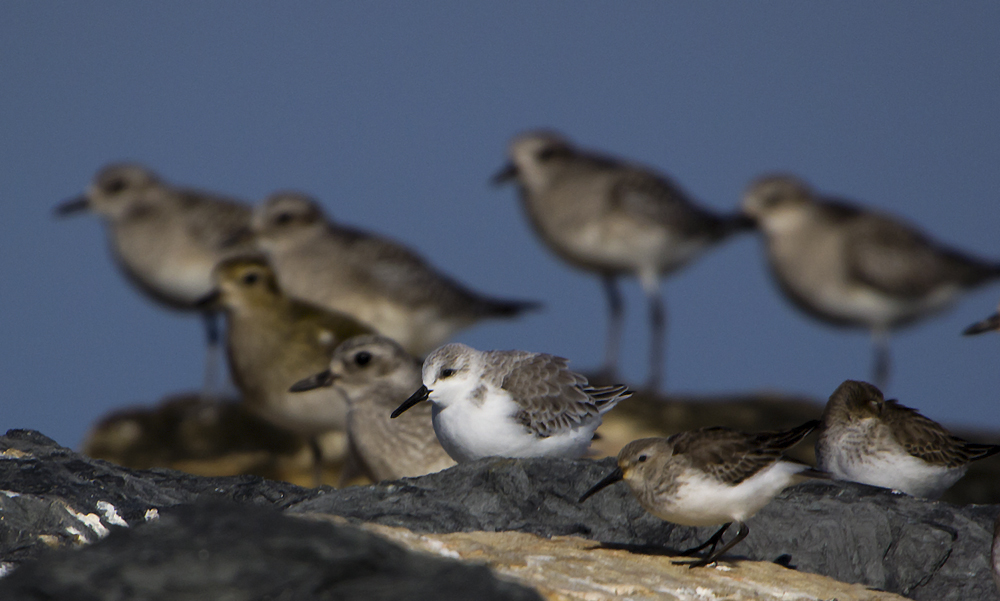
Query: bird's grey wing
{"type": "Point", "coordinates": [896, 259]}
{"type": "Point", "coordinates": [727, 455]}
{"type": "Point", "coordinates": [552, 399]}
{"type": "Point", "coordinates": [653, 197]}
{"type": "Point", "coordinates": [926, 439]}
{"type": "Point", "coordinates": [213, 220]}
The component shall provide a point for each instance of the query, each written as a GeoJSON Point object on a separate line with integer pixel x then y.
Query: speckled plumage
{"type": "Point", "coordinates": [868, 439]}
{"type": "Point", "coordinates": [374, 279]}
{"type": "Point", "coordinates": [511, 403]}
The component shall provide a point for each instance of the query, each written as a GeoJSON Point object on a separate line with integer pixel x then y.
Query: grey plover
{"type": "Point", "coordinates": [990, 324]}
{"type": "Point", "coordinates": [614, 218]}
{"type": "Point", "coordinates": [867, 439]}
{"type": "Point", "coordinates": [376, 374]}
{"type": "Point", "coordinates": [709, 477]}
{"type": "Point", "coordinates": [167, 240]}
{"type": "Point", "coordinates": [510, 403]}
{"type": "Point", "coordinates": [374, 279]}
{"type": "Point", "coordinates": [274, 341]}
{"type": "Point", "coordinates": [850, 266]}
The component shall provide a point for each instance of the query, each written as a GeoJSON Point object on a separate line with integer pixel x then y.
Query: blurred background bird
{"type": "Point", "coordinates": [166, 240]}
{"type": "Point", "coordinates": [613, 218]}
{"type": "Point", "coordinates": [273, 341]}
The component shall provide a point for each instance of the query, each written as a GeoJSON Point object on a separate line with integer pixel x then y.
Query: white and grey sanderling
{"type": "Point", "coordinates": [166, 239]}
{"type": "Point", "coordinates": [614, 218]}
{"type": "Point", "coordinates": [376, 374]}
{"type": "Point", "coordinates": [851, 266]}
{"type": "Point", "coordinates": [510, 403]}
{"type": "Point", "coordinates": [867, 439]}
{"type": "Point", "coordinates": [709, 477]}
{"type": "Point", "coordinates": [371, 278]}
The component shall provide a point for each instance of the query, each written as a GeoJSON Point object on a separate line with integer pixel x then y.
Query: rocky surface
{"type": "Point", "coordinates": [924, 550]}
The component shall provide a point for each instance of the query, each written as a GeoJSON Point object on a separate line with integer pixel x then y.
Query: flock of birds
{"type": "Point", "coordinates": [325, 323]}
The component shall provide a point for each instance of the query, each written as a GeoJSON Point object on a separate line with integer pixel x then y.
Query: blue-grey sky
{"type": "Point", "coordinates": [396, 114]}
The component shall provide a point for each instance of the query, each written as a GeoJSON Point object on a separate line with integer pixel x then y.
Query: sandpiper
{"type": "Point", "coordinates": [273, 341]}
{"type": "Point", "coordinates": [376, 374]}
{"type": "Point", "coordinates": [371, 278]}
{"type": "Point", "coordinates": [709, 477]}
{"type": "Point", "coordinates": [167, 240]}
{"type": "Point", "coordinates": [867, 439]}
{"type": "Point", "coordinates": [614, 218]}
{"type": "Point", "coordinates": [851, 266]}
{"type": "Point", "coordinates": [510, 403]}
{"type": "Point", "coordinates": [990, 324]}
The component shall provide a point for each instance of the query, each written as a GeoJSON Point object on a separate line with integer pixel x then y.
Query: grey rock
{"type": "Point", "coordinates": [214, 550]}
{"type": "Point", "coordinates": [922, 549]}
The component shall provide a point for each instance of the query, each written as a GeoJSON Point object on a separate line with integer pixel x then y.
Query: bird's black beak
{"type": "Point", "coordinates": [240, 236]}
{"type": "Point", "coordinates": [320, 380]}
{"type": "Point", "coordinates": [209, 301]}
{"type": "Point", "coordinates": [608, 480]}
{"type": "Point", "coordinates": [742, 221]}
{"type": "Point", "coordinates": [74, 205]}
{"type": "Point", "coordinates": [987, 325]}
{"type": "Point", "coordinates": [420, 395]}
{"type": "Point", "coordinates": [506, 174]}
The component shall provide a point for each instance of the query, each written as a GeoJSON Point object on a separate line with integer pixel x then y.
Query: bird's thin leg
{"type": "Point", "coordinates": [317, 456]}
{"type": "Point", "coordinates": [658, 330]}
{"type": "Point", "coordinates": [210, 319]}
{"type": "Point", "coordinates": [880, 342]}
{"type": "Point", "coordinates": [616, 315]}
{"type": "Point", "coordinates": [711, 542]}
{"type": "Point", "coordinates": [741, 533]}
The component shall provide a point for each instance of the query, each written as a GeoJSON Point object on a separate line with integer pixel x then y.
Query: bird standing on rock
{"type": "Point", "coordinates": [614, 218]}
{"type": "Point", "coordinates": [510, 404]}
{"type": "Point", "coordinates": [166, 240]}
{"type": "Point", "coordinates": [850, 266]}
{"type": "Point", "coordinates": [274, 341]}
{"type": "Point", "coordinates": [375, 280]}
{"type": "Point", "coordinates": [709, 477]}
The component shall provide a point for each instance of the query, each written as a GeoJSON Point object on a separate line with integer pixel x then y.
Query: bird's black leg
{"type": "Point", "coordinates": [210, 319]}
{"type": "Point", "coordinates": [616, 315]}
{"type": "Point", "coordinates": [712, 542]}
{"type": "Point", "coordinates": [658, 331]}
{"type": "Point", "coordinates": [880, 341]}
{"type": "Point", "coordinates": [317, 455]}
{"type": "Point", "coordinates": [741, 533]}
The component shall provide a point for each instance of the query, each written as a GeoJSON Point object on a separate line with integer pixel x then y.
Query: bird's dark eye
{"type": "Point", "coordinates": [115, 186]}
{"type": "Point", "coordinates": [549, 152]}
{"type": "Point", "coordinates": [446, 373]}
{"type": "Point", "coordinates": [363, 358]}
{"type": "Point", "coordinates": [250, 279]}
{"type": "Point", "coordinates": [642, 458]}
{"type": "Point", "coordinates": [283, 218]}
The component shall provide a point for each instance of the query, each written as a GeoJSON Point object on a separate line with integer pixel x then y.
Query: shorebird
{"type": "Point", "coordinates": [167, 240]}
{"type": "Point", "coordinates": [867, 439]}
{"type": "Point", "coordinates": [375, 375]}
{"type": "Point", "coordinates": [510, 403]}
{"type": "Point", "coordinates": [272, 342]}
{"type": "Point", "coordinates": [850, 266]}
{"type": "Point", "coordinates": [376, 280]}
{"type": "Point", "coordinates": [614, 218]}
{"type": "Point", "coordinates": [709, 477]}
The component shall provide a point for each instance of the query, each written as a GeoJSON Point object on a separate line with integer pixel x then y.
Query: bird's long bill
{"type": "Point", "coordinates": [74, 205]}
{"type": "Point", "coordinates": [420, 395]}
{"type": "Point", "coordinates": [209, 301]}
{"type": "Point", "coordinates": [323, 378]}
{"type": "Point", "coordinates": [507, 173]}
{"type": "Point", "coordinates": [990, 323]}
{"type": "Point", "coordinates": [608, 480]}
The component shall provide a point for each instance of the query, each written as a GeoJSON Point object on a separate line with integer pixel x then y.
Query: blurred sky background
{"type": "Point", "coordinates": [396, 114]}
